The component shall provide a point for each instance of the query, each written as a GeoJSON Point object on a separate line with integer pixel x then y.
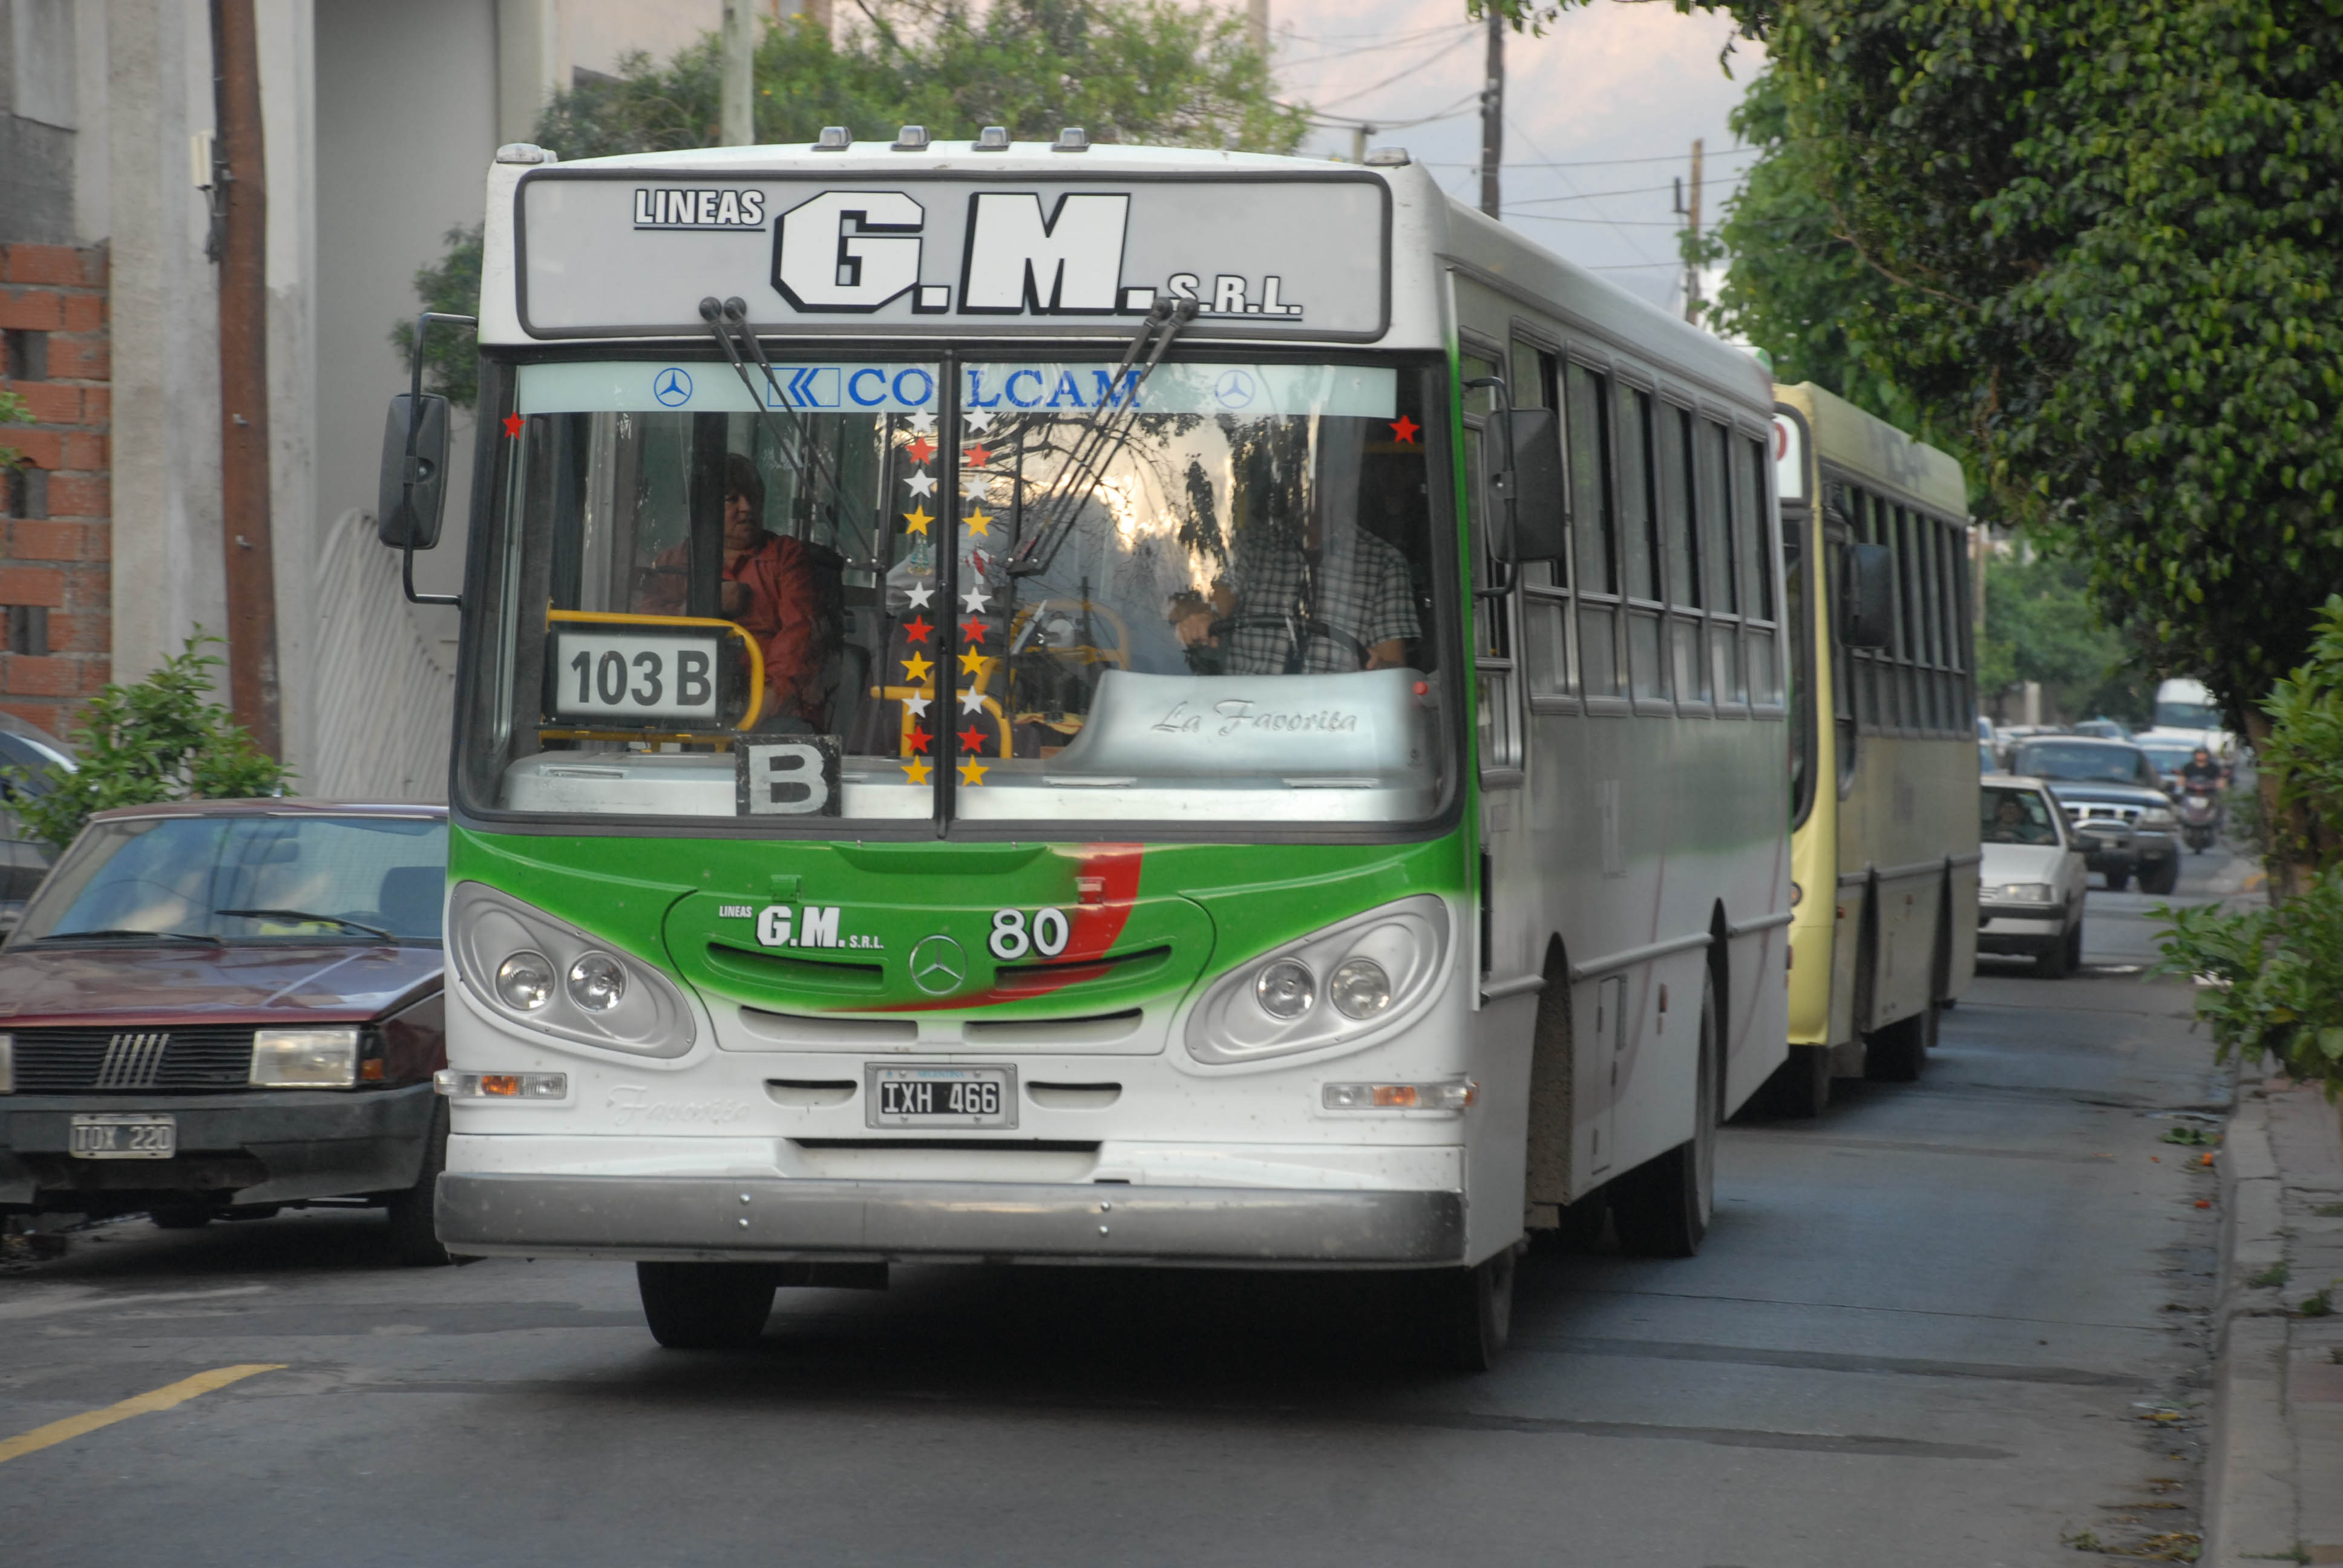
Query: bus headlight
{"type": "Point", "coordinates": [1381, 970]}
{"type": "Point", "coordinates": [547, 975]}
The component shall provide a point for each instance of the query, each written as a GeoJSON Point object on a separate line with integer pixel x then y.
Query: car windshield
{"type": "Point", "coordinates": [245, 878]}
{"type": "Point", "coordinates": [2169, 759]}
{"type": "Point", "coordinates": [2085, 764]}
{"type": "Point", "coordinates": [1207, 594]}
{"type": "Point", "coordinates": [2188, 716]}
{"type": "Point", "coordinates": [2014, 815]}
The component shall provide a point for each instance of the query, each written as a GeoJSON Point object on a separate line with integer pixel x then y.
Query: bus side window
{"type": "Point", "coordinates": [1753, 523]}
{"type": "Point", "coordinates": [1641, 550]}
{"type": "Point", "coordinates": [1925, 533]}
{"type": "Point", "coordinates": [1683, 585]}
{"type": "Point", "coordinates": [1587, 394]}
{"type": "Point", "coordinates": [1552, 670]}
{"type": "Point", "coordinates": [1870, 663]}
{"type": "Point", "coordinates": [1718, 556]}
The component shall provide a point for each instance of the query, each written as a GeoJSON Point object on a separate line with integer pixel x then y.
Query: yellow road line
{"type": "Point", "coordinates": [163, 1398]}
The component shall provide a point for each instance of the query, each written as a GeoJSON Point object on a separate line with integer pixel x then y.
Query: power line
{"type": "Point", "coordinates": [1407, 71]}
{"type": "Point", "coordinates": [1607, 162]}
{"type": "Point", "coordinates": [1400, 42]}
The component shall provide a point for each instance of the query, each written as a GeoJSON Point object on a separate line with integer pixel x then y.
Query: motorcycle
{"type": "Point", "coordinates": [2200, 810]}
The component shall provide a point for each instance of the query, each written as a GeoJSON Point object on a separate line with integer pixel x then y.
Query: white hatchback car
{"type": "Point", "coordinates": [2031, 884]}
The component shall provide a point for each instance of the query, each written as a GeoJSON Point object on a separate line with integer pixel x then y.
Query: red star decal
{"type": "Point", "coordinates": [971, 631]}
{"type": "Point", "coordinates": [512, 424]}
{"type": "Point", "coordinates": [972, 740]}
{"type": "Point", "coordinates": [978, 455]}
{"type": "Point", "coordinates": [917, 628]}
{"type": "Point", "coordinates": [921, 449]}
{"type": "Point", "coordinates": [1404, 431]}
{"type": "Point", "coordinates": [921, 740]}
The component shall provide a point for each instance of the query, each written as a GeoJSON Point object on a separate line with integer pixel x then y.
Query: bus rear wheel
{"type": "Point", "coordinates": [1662, 1207]}
{"type": "Point", "coordinates": [705, 1306]}
{"type": "Point", "coordinates": [1800, 1088]}
{"type": "Point", "coordinates": [1896, 1053]}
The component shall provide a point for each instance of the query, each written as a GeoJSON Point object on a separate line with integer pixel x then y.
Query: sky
{"type": "Point", "coordinates": [1601, 114]}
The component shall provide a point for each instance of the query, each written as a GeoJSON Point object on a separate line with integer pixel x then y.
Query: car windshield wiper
{"type": "Point", "coordinates": [124, 931]}
{"type": "Point", "coordinates": [308, 916]}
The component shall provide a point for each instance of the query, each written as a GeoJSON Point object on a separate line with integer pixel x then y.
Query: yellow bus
{"type": "Point", "coordinates": [1883, 848]}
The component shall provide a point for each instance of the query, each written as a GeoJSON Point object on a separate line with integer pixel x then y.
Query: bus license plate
{"type": "Point", "coordinates": [112, 1136]}
{"type": "Point", "coordinates": [913, 1096]}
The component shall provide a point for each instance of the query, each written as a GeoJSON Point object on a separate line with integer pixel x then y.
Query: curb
{"type": "Point", "coordinates": [2249, 1484]}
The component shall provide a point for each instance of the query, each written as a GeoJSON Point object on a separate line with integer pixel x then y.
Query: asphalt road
{"type": "Point", "coordinates": [1954, 1322]}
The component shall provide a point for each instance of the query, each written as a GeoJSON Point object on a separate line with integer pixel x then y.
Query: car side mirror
{"type": "Point", "coordinates": [1539, 532]}
{"type": "Point", "coordinates": [1866, 606]}
{"type": "Point", "coordinates": [413, 489]}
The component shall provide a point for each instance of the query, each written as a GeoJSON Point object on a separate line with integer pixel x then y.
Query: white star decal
{"type": "Point", "coordinates": [917, 707]}
{"type": "Point", "coordinates": [975, 419]}
{"type": "Point", "coordinates": [975, 599]}
{"type": "Point", "coordinates": [920, 595]}
{"type": "Point", "coordinates": [924, 423]}
{"type": "Point", "coordinates": [922, 483]}
{"type": "Point", "coordinates": [971, 701]}
{"type": "Point", "coordinates": [975, 486]}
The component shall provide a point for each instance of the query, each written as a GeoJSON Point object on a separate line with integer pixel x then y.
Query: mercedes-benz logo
{"type": "Point", "coordinates": [937, 965]}
{"type": "Point", "coordinates": [673, 387]}
{"type": "Point", "coordinates": [1234, 389]}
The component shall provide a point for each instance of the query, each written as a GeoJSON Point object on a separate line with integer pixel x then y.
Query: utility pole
{"type": "Point", "coordinates": [1257, 27]}
{"type": "Point", "coordinates": [736, 94]}
{"type": "Point", "coordinates": [1691, 213]}
{"type": "Point", "coordinates": [1359, 135]}
{"type": "Point", "coordinates": [1492, 113]}
{"type": "Point", "coordinates": [244, 536]}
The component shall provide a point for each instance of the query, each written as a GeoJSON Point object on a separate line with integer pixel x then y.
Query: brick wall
{"type": "Point", "coordinates": [56, 633]}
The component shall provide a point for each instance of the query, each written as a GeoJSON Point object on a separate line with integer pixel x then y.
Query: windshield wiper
{"type": "Point", "coordinates": [1100, 439]}
{"type": "Point", "coordinates": [126, 931]}
{"type": "Point", "coordinates": [727, 317]}
{"type": "Point", "coordinates": [306, 916]}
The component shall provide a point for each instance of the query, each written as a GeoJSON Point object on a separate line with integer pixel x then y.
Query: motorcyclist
{"type": "Point", "coordinates": [2200, 768]}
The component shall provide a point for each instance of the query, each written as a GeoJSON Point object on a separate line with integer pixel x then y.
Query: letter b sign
{"type": "Point", "coordinates": [794, 778]}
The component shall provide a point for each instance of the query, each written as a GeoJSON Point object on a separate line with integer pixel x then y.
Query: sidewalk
{"type": "Point", "coordinates": [2275, 1487]}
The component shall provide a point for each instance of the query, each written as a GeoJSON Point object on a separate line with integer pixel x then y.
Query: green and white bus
{"type": "Point", "coordinates": [1051, 703]}
{"type": "Point", "coordinates": [1886, 847]}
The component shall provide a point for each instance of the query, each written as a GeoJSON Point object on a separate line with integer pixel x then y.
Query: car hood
{"type": "Point", "coordinates": [253, 984]}
{"type": "Point", "coordinates": [2019, 863]}
{"type": "Point", "coordinates": [2112, 794]}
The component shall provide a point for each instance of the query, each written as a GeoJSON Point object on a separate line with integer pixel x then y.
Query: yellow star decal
{"type": "Point", "coordinates": [916, 668]}
{"type": "Point", "coordinates": [977, 520]}
{"type": "Point", "coordinates": [918, 519]}
{"type": "Point", "coordinates": [971, 771]}
{"type": "Point", "coordinates": [972, 662]}
{"type": "Point", "coordinates": [916, 772]}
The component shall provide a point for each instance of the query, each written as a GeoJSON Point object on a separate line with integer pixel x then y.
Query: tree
{"type": "Point", "coordinates": [2094, 248]}
{"type": "Point", "coordinates": [2041, 625]}
{"type": "Point", "coordinates": [1137, 71]}
{"type": "Point", "coordinates": [152, 739]}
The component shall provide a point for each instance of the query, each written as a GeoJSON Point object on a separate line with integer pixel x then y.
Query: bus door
{"type": "Point", "coordinates": [1509, 903]}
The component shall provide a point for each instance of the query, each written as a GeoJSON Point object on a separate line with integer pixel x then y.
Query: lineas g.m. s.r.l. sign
{"type": "Point", "coordinates": [607, 253]}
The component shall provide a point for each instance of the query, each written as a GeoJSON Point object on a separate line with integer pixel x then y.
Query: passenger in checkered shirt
{"type": "Point", "coordinates": [1277, 583]}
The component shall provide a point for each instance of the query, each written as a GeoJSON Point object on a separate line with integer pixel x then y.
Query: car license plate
{"type": "Point", "coordinates": [923, 1096]}
{"type": "Point", "coordinates": [116, 1136]}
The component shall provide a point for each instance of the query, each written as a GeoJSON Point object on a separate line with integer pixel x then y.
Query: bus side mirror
{"type": "Point", "coordinates": [1866, 595]}
{"type": "Point", "coordinates": [413, 489]}
{"type": "Point", "coordinates": [1539, 532]}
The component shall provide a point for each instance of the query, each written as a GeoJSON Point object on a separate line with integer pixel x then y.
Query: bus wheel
{"type": "Point", "coordinates": [705, 1306]}
{"type": "Point", "coordinates": [1800, 1088]}
{"type": "Point", "coordinates": [1469, 1313]}
{"type": "Point", "coordinates": [1662, 1207]}
{"type": "Point", "coordinates": [1896, 1054]}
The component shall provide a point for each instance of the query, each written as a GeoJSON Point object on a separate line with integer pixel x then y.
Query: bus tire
{"type": "Point", "coordinates": [1896, 1053]}
{"type": "Point", "coordinates": [705, 1306]}
{"type": "Point", "coordinates": [414, 1237]}
{"type": "Point", "coordinates": [1662, 1207]}
{"type": "Point", "coordinates": [1800, 1089]}
{"type": "Point", "coordinates": [1469, 1313]}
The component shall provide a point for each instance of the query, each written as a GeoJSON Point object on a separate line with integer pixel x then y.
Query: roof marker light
{"type": "Point", "coordinates": [1388, 158]}
{"type": "Point", "coordinates": [1072, 140]}
{"type": "Point", "coordinates": [834, 140]}
{"type": "Point", "coordinates": [991, 139]}
{"type": "Point", "coordinates": [911, 140]}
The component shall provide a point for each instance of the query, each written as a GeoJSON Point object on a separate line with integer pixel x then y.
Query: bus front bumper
{"type": "Point", "coordinates": [762, 1218]}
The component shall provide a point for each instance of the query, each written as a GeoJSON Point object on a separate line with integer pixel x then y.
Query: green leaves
{"type": "Point", "coordinates": [155, 739]}
{"type": "Point", "coordinates": [13, 411]}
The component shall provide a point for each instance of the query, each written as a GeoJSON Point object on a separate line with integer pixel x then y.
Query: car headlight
{"type": "Point", "coordinates": [527, 966]}
{"type": "Point", "coordinates": [304, 1058]}
{"type": "Point", "coordinates": [2025, 893]}
{"type": "Point", "coordinates": [2156, 817]}
{"type": "Point", "coordinates": [1347, 985]}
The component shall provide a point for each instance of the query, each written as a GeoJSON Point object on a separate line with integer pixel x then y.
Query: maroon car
{"type": "Point", "coordinates": [222, 1008]}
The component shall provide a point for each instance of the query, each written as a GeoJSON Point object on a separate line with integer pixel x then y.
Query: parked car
{"type": "Point", "coordinates": [2031, 879]}
{"type": "Point", "coordinates": [222, 1008]}
{"type": "Point", "coordinates": [24, 859]}
{"type": "Point", "coordinates": [2115, 799]}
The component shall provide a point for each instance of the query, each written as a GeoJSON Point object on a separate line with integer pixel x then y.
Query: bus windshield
{"type": "Point", "coordinates": [1208, 595]}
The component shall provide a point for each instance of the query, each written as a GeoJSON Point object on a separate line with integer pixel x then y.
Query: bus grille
{"type": "Point", "coordinates": [72, 1061]}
